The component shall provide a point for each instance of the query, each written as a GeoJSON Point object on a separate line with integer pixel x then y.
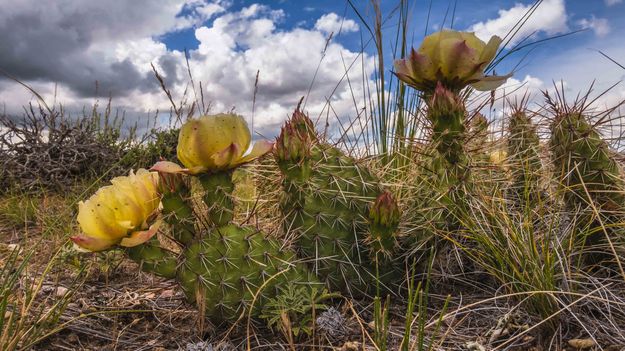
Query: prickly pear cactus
{"type": "Point", "coordinates": [326, 201]}
{"type": "Point", "coordinates": [445, 63]}
{"type": "Point", "coordinates": [450, 163]}
{"type": "Point", "coordinates": [234, 266]}
{"type": "Point", "coordinates": [589, 176]}
{"type": "Point", "coordinates": [225, 269]}
{"type": "Point", "coordinates": [442, 187]}
{"type": "Point", "coordinates": [523, 149]}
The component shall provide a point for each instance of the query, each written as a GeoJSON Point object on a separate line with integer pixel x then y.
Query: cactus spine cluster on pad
{"type": "Point", "coordinates": [326, 202]}
{"type": "Point", "coordinates": [222, 267]}
{"type": "Point", "coordinates": [590, 177]}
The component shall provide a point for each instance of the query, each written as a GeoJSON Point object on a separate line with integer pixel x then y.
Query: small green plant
{"type": "Point", "coordinates": [18, 210]}
{"type": "Point", "coordinates": [381, 322]}
{"type": "Point", "coordinates": [293, 310]}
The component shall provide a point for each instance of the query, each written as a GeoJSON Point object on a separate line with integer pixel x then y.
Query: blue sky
{"type": "Point", "coordinates": [64, 47]}
{"type": "Point", "coordinates": [300, 13]}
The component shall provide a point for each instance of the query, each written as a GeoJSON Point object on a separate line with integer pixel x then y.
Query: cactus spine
{"type": "Point", "coordinates": [326, 201]}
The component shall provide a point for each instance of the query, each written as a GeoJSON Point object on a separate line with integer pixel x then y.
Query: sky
{"type": "Point", "coordinates": [62, 48]}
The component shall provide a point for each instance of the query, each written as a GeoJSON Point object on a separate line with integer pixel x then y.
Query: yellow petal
{"type": "Point", "coordinates": [260, 148]}
{"type": "Point", "coordinates": [473, 41]}
{"type": "Point", "coordinates": [457, 59]}
{"type": "Point", "coordinates": [402, 67]}
{"type": "Point", "coordinates": [490, 83]}
{"type": "Point", "coordinates": [490, 50]}
{"type": "Point", "coordinates": [167, 167]}
{"type": "Point", "coordinates": [97, 220]}
{"type": "Point", "coordinates": [139, 237]}
{"type": "Point", "coordinates": [430, 47]}
{"type": "Point", "coordinates": [226, 157]}
{"type": "Point", "coordinates": [91, 243]}
{"type": "Point", "coordinates": [195, 145]}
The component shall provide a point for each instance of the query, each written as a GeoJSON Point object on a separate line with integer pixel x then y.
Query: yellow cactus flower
{"type": "Point", "coordinates": [217, 142]}
{"type": "Point", "coordinates": [456, 59]}
{"type": "Point", "coordinates": [119, 213]}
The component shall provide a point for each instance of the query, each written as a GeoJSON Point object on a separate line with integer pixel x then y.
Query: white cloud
{"type": "Point", "coordinates": [529, 85]}
{"type": "Point", "coordinates": [209, 10]}
{"type": "Point", "coordinates": [550, 18]}
{"type": "Point", "coordinates": [332, 22]}
{"type": "Point", "coordinates": [237, 45]}
{"type": "Point", "coordinates": [612, 2]}
{"type": "Point", "coordinates": [231, 50]}
{"type": "Point", "coordinates": [600, 26]}
{"type": "Point", "coordinates": [512, 92]}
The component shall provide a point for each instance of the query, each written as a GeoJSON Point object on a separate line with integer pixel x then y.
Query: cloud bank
{"type": "Point", "coordinates": [69, 45]}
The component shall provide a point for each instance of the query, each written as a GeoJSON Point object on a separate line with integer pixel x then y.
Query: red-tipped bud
{"type": "Point", "coordinates": [171, 177]}
{"type": "Point", "coordinates": [444, 100]}
{"type": "Point", "coordinates": [384, 216]}
{"type": "Point", "coordinates": [296, 138]}
{"type": "Point", "coordinates": [385, 210]}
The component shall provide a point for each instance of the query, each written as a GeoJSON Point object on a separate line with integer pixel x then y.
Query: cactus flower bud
{"type": "Point", "coordinates": [217, 142]}
{"type": "Point", "coordinates": [384, 216]}
{"type": "Point", "coordinates": [444, 101]}
{"type": "Point", "coordinates": [119, 213]}
{"type": "Point", "coordinates": [171, 177]}
{"type": "Point", "coordinates": [456, 59]}
{"type": "Point", "coordinates": [385, 210]}
{"type": "Point", "coordinates": [296, 138]}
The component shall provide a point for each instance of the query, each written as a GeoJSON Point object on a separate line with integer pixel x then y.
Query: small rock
{"type": "Point", "coordinates": [167, 294]}
{"type": "Point", "coordinates": [61, 291]}
{"type": "Point", "coordinates": [199, 346]}
{"type": "Point", "coordinates": [474, 346]}
{"type": "Point", "coordinates": [350, 346]}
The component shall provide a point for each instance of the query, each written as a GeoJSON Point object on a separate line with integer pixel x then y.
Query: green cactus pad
{"type": "Point", "coordinates": [524, 158]}
{"type": "Point", "coordinates": [218, 189]}
{"type": "Point", "coordinates": [153, 258]}
{"type": "Point", "coordinates": [225, 271]}
{"type": "Point", "coordinates": [325, 204]}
